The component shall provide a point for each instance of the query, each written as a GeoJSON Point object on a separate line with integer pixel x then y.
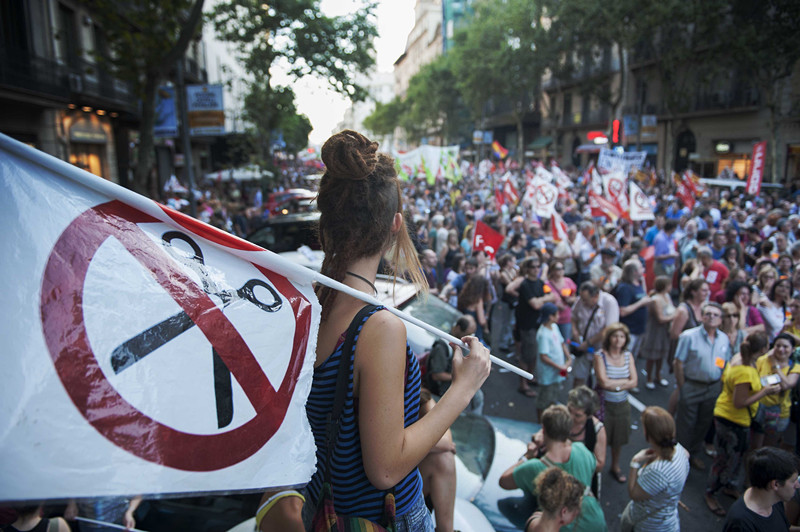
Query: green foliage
{"type": "Point", "coordinates": [386, 117]}
{"type": "Point", "coordinates": [270, 109]}
{"type": "Point", "coordinates": [295, 33]}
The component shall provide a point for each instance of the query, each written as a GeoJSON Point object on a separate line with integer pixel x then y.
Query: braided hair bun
{"type": "Point", "coordinates": [350, 155]}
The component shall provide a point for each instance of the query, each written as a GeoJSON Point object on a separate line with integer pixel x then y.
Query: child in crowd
{"type": "Point", "coordinates": [554, 358]}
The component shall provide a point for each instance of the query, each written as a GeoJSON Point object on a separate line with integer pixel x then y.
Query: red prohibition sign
{"type": "Point", "coordinates": [100, 403]}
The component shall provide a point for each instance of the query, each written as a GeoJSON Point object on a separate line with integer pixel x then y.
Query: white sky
{"type": "Point", "coordinates": [325, 108]}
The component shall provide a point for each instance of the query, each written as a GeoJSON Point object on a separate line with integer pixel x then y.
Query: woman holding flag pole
{"type": "Point", "coordinates": [374, 459]}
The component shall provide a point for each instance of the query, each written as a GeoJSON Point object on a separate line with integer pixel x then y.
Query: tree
{"type": "Point", "coordinates": [501, 57]}
{"type": "Point", "coordinates": [761, 43]}
{"type": "Point", "coordinates": [145, 39]}
{"type": "Point", "coordinates": [386, 117]}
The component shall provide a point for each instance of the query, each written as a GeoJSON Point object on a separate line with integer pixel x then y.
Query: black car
{"type": "Point", "coordinates": [287, 232]}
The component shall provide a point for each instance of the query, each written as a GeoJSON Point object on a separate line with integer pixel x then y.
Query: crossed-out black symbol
{"type": "Point", "coordinates": [144, 343]}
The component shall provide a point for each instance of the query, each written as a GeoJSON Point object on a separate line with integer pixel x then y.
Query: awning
{"type": "Point", "coordinates": [540, 143]}
{"type": "Point", "coordinates": [590, 148]}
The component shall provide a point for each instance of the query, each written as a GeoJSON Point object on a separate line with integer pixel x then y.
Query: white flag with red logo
{"type": "Point", "coordinates": [641, 208]}
{"type": "Point", "coordinates": [542, 196]}
{"type": "Point", "coordinates": [486, 239]}
{"type": "Point", "coordinates": [615, 184]}
{"type": "Point", "coordinates": [144, 351]}
{"type": "Point", "coordinates": [600, 206]}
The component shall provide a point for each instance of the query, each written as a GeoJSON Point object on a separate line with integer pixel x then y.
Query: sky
{"type": "Point", "coordinates": [325, 108]}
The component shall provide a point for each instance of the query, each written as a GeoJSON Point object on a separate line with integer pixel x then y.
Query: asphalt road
{"type": "Point", "coordinates": [503, 400]}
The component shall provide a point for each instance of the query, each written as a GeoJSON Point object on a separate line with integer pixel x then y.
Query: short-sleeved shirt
{"type": "Point", "coordinates": [664, 244]}
{"type": "Point", "coordinates": [703, 361]}
{"type": "Point", "coordinates": [743, 519]}
{"type": "Point", "coordinates": [715, 276]}
{"type": "Point", "coordinates": [628, 294]}
{"type": "Point", "coordinates": [550, 343]}
{"type": "Point", "coordinates": [527, 316]}
{"type": "Point", "coordinates": [764, 368]}
{"type": "Point", "coordinates": [603, 279]}
{"type": "Point", "coordinates": [607, 313]}
{"type": "Point", "coordinates": [568, 289]}
{"type": "Point", "coordinates": [581, 465]}
{"type": "Point", "coordinates": [663, 480]}
{"type": "Point", "coordinates": [732, 377]}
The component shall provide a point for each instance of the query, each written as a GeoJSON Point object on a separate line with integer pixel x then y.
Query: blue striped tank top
{"type": "Point", "coordinates": [353, 493]}
{"type": "Point", "coordinates": [617, 372]}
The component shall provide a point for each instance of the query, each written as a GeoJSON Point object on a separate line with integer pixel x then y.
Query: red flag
{"type": "Point", "coordinates": [685, 192]}
{"type": "Point", "coordinates": [603, 207]}
{"type": "Point", "coordinates": [486, 239]}
{"type": "Point", "coordinates": [498, 197]}
{"type": "Point", "coordinates": [757, 170]}
{"type": "Point", "coordinates": [559, 227]}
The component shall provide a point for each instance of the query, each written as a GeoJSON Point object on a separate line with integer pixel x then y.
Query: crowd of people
{"type": "Point", "coordinates": [711, 313]}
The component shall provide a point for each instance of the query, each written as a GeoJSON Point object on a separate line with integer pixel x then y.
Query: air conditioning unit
{"type": "Point", "coordinates": [75, 82]}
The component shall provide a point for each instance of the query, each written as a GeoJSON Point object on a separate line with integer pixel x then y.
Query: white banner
{"type": "Point", "coordinates": [641, 208]}
{"type": "Point", "coordinates": [430, 162]}
{"type": "Point", "coordinates": [144, 351]}
{"type": "Point", "coordinates": [205, 110]}
{"type": "Point", "coordinates": [615, 185]}
{"type": "Point", "coordinates": [621, 162]}
{"type": "Point", "coordinates": [542, 196]}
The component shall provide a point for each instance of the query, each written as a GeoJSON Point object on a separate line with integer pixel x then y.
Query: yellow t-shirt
{"type": "Point", "coordinates": [732, 376]}
{"type": "Point", "coordinates": [764, 367]}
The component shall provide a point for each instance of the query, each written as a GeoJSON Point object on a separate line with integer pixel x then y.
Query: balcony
{"type": "Point", "coordinates": [736, 97]}
{"type": "Point", "coordinates": [35, 75]}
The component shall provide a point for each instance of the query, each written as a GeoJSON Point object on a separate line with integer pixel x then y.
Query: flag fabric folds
{"type": "Point", "coordinates": [145, 352]}
{"type": "Point", "coordinates": [641, 208]}
{"type": "Point", "coordinates": [499, 151]}
{"type": "Point", "coordinates": [486, 239]}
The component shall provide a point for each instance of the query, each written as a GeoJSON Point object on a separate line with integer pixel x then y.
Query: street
{"type": "Point", "coordinates": [503, 400]}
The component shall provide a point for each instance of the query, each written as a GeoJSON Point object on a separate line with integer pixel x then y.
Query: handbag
{"type": "Point", "coordinates": [325, 518]}
{"type": "Point", "coordinates": [575, 349]}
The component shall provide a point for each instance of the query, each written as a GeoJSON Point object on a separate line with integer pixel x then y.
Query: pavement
{"type": "Point", "coordinates": [503, 400]}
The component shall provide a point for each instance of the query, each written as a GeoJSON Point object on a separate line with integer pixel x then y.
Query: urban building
{"type": "Point", "coordinates": [380, 89]}
{"type": "Point", "coordinates": [424, 43]}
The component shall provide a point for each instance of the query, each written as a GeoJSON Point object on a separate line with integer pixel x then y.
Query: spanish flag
{"type": "Point", "coordinates": [499, 151]}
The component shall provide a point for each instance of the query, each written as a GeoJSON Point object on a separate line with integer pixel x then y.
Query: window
{"type": "Point", "coordinates": [67, 37]}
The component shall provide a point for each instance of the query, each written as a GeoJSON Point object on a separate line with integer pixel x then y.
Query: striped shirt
{"type": "Point", "coordinates": [617, 372]}
{"type": "Point", "coordinates": [663, 480]}
{"type": "Point", "coordinates": [353, 493]}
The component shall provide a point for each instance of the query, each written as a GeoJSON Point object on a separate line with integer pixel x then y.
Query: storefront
{"type": "Point", "coordinates": [89, 143]}
{"type": "Point", "coordinates": [733, 158]}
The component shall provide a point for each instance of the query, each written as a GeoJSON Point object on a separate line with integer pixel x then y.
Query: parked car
{"type": "Point", "coordinates": [287, 232]}
{"type": "Point", "coordinates": [292, 199]}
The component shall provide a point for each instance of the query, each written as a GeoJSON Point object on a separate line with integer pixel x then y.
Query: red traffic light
{"type": "Point", "coordinates": [615, 131]}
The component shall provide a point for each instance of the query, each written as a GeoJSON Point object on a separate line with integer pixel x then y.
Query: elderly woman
{"type": "Point", "coordinates": [582, 403]}
{"type": "Point", "coordinates": [574, 458]}
{"type": "Point", "coordinates": [616, 374]}
{"type": "Point", "coordinates": [657, 476]}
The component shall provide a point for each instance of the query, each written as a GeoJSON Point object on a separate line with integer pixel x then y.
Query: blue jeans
{"type": "Point", "coordinates": [417, 518]}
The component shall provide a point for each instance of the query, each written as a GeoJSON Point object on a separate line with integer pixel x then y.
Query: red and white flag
{"type": "Point", "coordinates": [617, 191]}
{"type": "Point", "coordinates": [757, 168]}
{"type": "Point", "coordinates": [145, 351]}
{"type": "Point", "coordinates": [542, 196]}
{"type": "Point", "coordinates": [600, 206]}
{"type": "Point", "coordinates": [510, 191]}
{"type": "Point", "coordinates": [486, 239]}
{"type": "Point", "coordinates": [641, 208]}
{"type": "Point", "coordinates": [559, 227]}
{"type": "Point", "coordinates": [685, 190]}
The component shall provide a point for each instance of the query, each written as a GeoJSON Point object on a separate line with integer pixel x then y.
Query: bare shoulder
{"type": "Point", "coordinates": [386, 326]}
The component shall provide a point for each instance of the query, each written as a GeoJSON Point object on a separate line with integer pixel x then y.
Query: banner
{"type": "Point", "coordinates": [486, 239]}
{"type": "Point", "coordinates": [166, 125]}
{"type": "Point", "coordinates": [542, 196]}
{"type": "Point", "coordinates": [206, 112]}
{"type": "Point", "coordinates": [429, 162]}
{"type": "Point", "coordinates": [600, 206]}
{"type": "Point", "coordinates": [621, 162]}
{"type": "Point", "coordinates": [641, 208]}
{"type": "Point", "coordinates": [558, 227]}
{"type": "Point", "coordinates": [615, 185]}
{"type": "Point", "coordinates": [757, 168]}
{"type": "Point", "coordinates": [144, 351]}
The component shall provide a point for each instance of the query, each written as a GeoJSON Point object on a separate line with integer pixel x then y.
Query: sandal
{"type": "Point", "coordinates": [619, 477]}
{"type": "Point", "coordinates": [713, 505]}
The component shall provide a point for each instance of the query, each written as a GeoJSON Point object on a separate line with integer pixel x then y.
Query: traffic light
{"type": "Point", "coordinates": [616, 132]}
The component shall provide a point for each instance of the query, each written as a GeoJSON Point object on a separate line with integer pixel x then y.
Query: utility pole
{"type": "Point", "coordinates": [185, 141]}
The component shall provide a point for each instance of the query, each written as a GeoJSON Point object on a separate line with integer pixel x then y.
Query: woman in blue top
{"type": "Point", "coordinates": [380, 439]}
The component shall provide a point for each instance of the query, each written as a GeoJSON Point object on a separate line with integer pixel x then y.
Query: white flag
{"type": "Point", "coordinates": [144, 351]}
{"type": "Point", "coordinates": [641, 208]}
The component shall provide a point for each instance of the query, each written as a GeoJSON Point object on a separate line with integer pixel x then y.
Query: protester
{"type": "Point", "coordinates": [773, 480]}
{"type": "Point", "coordinates": [531, 298]}
{"type": "Point", "coordinates": [472, 300]}
{"type": "Point", "coordinates": [502, 310]}
{"type": "Point", "coordinates": [733, 414]}
{"type": "Point", "coordinates": [633, 302]}
{"type": "Point", "coordinates": [566, 293]}
{"type": "Point", "coordinates": [656, 343]}
{"type": "Point", "coordinates": [592, 313]}
{"type": "Point", "coordinates": [559, 496]}
{"type": "Point", "coordinates": [582, 403]}
{"type": "Point", "coordinates": [700, 356]}
{"type": "Point", "coordinates": [748, 318]}
{"type": "Point", "coordinates": [774, 306]}
{"type": "Point", "coordinates": [574, 458]}
{"type": "Point", "coordinates": [29, 518]}
{"type": "Point", "coordinates": [606, 274]}
{"type": "Point", "coordinates": [554, 358]}
{"type": "Point", "coordinates": [616, 375]}
{"type": "Point", "coordinates": [773, 411]}
{"type": "Point", "coordinates": [360, 207]}
{"type": "Point", "coordinates": [657, 475]}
